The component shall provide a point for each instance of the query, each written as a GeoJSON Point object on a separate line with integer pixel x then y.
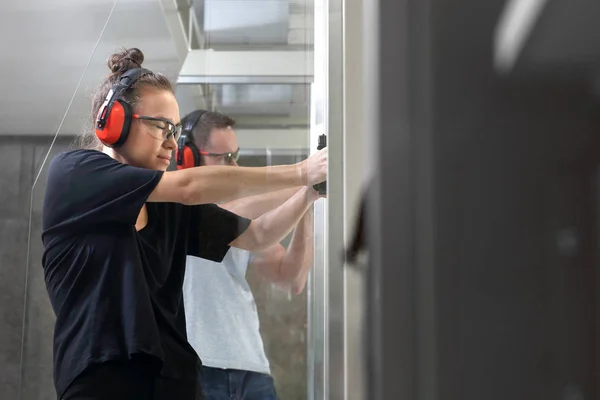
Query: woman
{"type": "Point", "coordinates": [116, 231]}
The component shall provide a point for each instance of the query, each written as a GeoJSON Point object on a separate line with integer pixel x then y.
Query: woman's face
{"type": "Point", "coordinates": [146, 145]}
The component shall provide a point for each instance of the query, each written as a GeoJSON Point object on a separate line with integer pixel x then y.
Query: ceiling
{"type": "Point", "coordinates": [244, 24]}
{"type": "Point", "coordinates": [54, 40]}
{"type": "Point", "coordinates": [255, 25]}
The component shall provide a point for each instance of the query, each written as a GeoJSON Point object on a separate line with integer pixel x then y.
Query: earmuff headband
{"type": "Point", "coordinates": [188, 126]}
{"type": "Point", "coordinates": [125, 82]}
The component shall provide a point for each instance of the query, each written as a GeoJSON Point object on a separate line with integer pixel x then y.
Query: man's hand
{"type": "Point", "coordinates": [313, 195]}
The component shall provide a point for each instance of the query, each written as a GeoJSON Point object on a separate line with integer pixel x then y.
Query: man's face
{"type": "Point", "coordinates": [221, 141]}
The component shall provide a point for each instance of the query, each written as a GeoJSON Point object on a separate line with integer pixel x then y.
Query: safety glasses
{"type": "Point", "coordinates": [165, 129]}
{"type": "Point", "coordinates": [228, 158]}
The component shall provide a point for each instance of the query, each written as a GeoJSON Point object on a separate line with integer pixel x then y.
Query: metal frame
{"type": "Point", "coordinates": [244, 80]}
{"type": "Point", "coordinates": [400, 269]}
{"type": "Point", "coordinates": [301, 152]}
{"type": "Point", "coordinates": [317, 301]}
{"type": "Point", "coordinates": [335, 219]}
{"type": "Point", "coordinates": [326, 344]}
{"type": "Point", "coordinates": [176, 20]}
{"type": "Point", "coordinates": [402, 345]}
{"type": "Point", "coordinates": [357, 131]}
{"type": "Point", "coordinates": [596, 208]}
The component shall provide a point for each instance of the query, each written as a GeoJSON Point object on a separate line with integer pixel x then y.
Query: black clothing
{"type": "Point", "coordinates": [117, 292]}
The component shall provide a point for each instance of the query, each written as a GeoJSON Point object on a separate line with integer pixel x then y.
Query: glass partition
{"type": "Point", "coordinates": [36, 370]}
{"type": "Point", "coordinates": [278, 73]}
{"type": "Point", "coordinates": [256, 61]}
{"type": "Point", "coordinates": [253, 62]}
{"type": "Point", "coordinates": [41, 68]}
{"type": "Point", "coordinates": [110, 28]}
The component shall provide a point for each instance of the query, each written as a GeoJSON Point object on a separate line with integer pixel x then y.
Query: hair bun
{"type": "Point", "coordinates": [125, 60]}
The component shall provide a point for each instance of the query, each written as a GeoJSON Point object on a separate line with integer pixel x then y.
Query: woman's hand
{"type": "Point", "coordinates": [316, 168]}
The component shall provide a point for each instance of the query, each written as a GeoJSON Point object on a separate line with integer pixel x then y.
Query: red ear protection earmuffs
{"type": "Point", "coordinates": [115, 115]}
{"type": "Point", "coordinates": [188, 155]}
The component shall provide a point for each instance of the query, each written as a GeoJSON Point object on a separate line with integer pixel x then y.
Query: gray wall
{"type": "Point", "coordinates": [513, 167]}
{"type": "Point", "coordinates": [516, 317]}
{"type": "Point", "coordinates": [500, 171]}
{"type": "Point", "coordinates": [20, 159]}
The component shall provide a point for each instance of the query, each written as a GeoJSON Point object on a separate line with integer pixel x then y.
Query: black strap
{"type": "Point", "coordinates": [125, 82]}
{"type": "Point", "coordinates": [189, 123]}
{"type": "Point", "coordinates": [191, 120]}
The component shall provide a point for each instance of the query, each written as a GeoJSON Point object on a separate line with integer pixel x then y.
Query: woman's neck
{"type": "Point", "coordinates": [112, 153]}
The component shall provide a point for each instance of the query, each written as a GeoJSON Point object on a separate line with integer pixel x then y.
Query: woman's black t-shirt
{"type": "Point", "coordinates": [117, 292]}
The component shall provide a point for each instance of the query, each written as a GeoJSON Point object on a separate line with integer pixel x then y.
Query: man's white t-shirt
{"type": "Point", "coordinates": [221, 315]}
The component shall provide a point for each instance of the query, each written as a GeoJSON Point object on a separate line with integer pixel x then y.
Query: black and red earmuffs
{"type": "Point", "coordinates": [114, 117]}
{"type": "Point", "coordinates": [188, 155]}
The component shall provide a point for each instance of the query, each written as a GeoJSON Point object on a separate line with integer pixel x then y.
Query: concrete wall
{"type": "Point", "coordinates": [20, 160]}
{"type": "Point", "coordinates": [485, 256]}
{"type": "Point", "coordinates": [516, 317]}
{"type": "Point", "coordinates": [513, 166]}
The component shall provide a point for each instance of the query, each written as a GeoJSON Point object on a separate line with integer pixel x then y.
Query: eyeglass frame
{"type": "Point", "coordinates": [171, 133]}
{"type": "Point", "coordinates": [231, 156]}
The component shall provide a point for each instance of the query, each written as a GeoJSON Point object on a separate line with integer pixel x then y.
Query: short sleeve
{"type": "Point", "coordinates": [212, 228]}
{"type": "Point", "coordinates": [87, 187]}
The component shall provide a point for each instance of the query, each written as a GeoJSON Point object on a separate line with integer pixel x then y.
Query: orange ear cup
{"type": "Point", "coordinates": [114, 117]}
{"type": "Point", "coordinates": [189, 160]}
{"type": "Point", "coordinates": [117, 125]}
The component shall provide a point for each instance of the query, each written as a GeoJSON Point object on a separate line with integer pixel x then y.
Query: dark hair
{"type": "Point", "coordinates": [208, 121]}
{"type": "Point", "coordinates": [119, 63]}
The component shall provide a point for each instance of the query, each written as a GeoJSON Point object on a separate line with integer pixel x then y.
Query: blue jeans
{"type": "Point", "coordinates": [232, 384]}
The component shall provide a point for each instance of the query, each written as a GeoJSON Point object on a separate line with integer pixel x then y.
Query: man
{"type": "Point", "coordinates": [221, 314]}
